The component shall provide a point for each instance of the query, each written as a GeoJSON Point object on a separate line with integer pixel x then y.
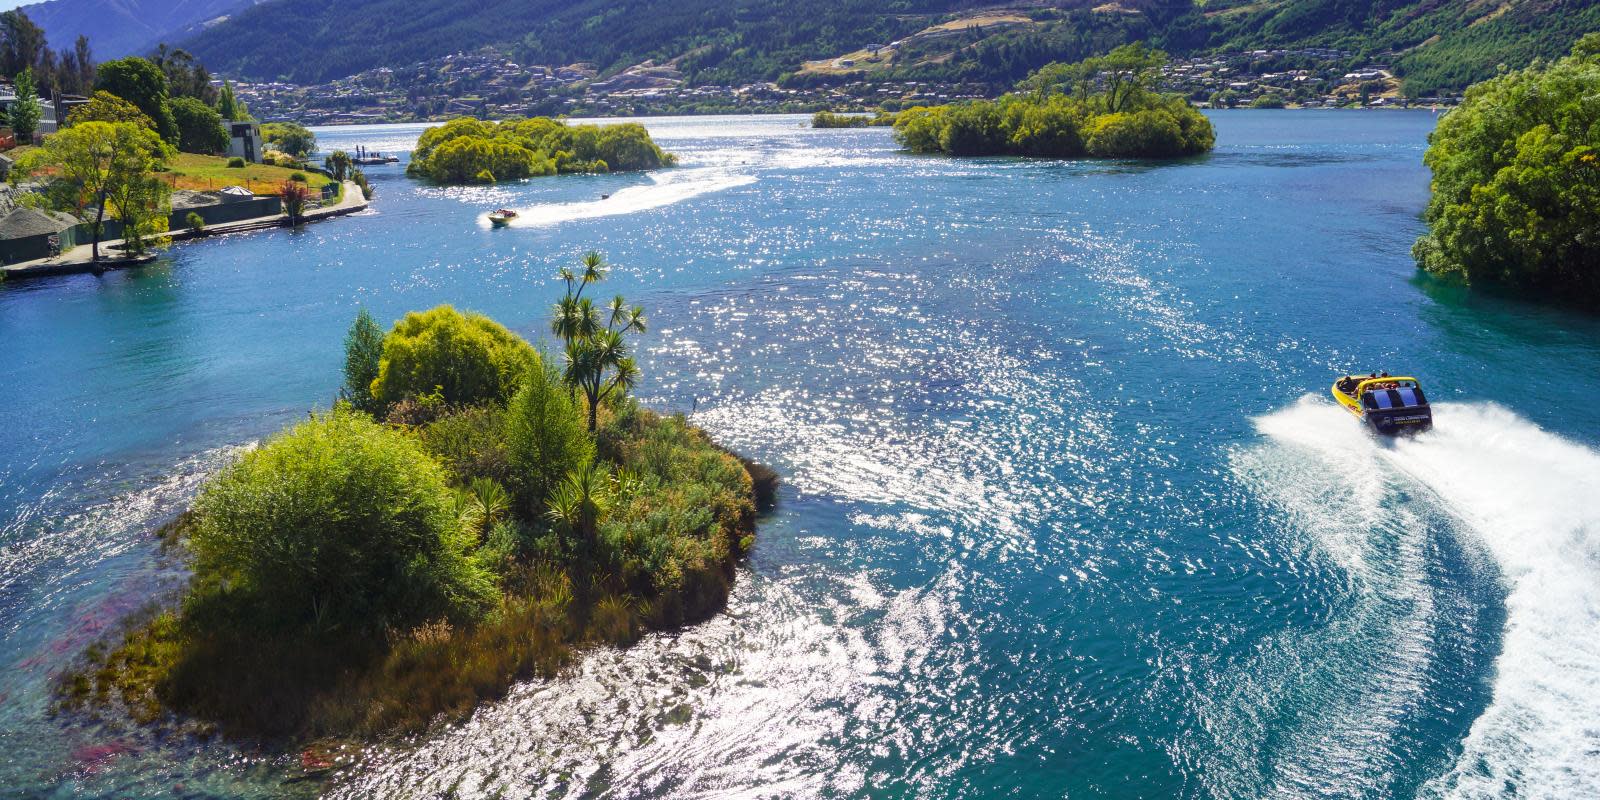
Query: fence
{"type": "Point", "coordinates": [217, 214]}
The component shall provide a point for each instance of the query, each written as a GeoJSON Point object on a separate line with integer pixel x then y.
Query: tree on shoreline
{"type": "Point", "coordinates": [1516, 182]}
{"type": "Point", "coordinates": [143, 84]}
{"type": "Point", "coordinates": [199, 127]}
{"type": "Point", "coordinates": [291, 138]}
{"type": "Point", "coordinates": [597, 356]}
{"type": "Point", "coordinates": [105, 163]}
{"type": "Point", "coordinates": [363, 352]}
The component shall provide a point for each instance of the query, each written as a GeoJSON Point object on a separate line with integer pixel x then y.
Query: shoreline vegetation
{"type": "Point", "coordinates": [467, 150]}
{"type": "Point", "coordinates": [468, 515]}
{"type": "Point", "coordinates": [1105, 107]}
{"type": "Point", "coordinates": [1515, 199]}
{"type": "Point", "coordinates": [828, 119]}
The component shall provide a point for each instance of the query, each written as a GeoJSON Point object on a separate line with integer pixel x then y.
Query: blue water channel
{"type": "Point", "coordinates": [1067, 510]}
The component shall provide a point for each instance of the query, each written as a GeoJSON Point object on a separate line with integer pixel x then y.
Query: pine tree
{"type": "Point", "coordinates": [25, 112]}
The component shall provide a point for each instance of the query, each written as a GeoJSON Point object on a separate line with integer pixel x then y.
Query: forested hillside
{"type": "Point", "coordinates": [1431, 43]}
{"type": "Point", "coordinates": [313, 40]}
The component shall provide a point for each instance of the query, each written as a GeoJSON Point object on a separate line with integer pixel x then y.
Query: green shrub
{"type": "Point", "coordinates": [337, 523]}
{"type": "Point", "coordinates": [682, 510]}
{"type": "Point", "coordinates": [1516, 182]}
{"type": "Point", "coordinates": [195, 222]}
{"type": "Point", "coordinates": [236, 163]}
{"type": "Point", "coordinates": [470, 443]}
{"type": "Point", "coordinates": [299, 177]}
{"type": "Point", "coordinates": [547, 439]}
{"type": "Point", "coordinates": [467, 358]}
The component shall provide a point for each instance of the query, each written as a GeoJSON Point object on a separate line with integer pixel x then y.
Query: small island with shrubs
{"type": "Point", "coordinates": [1104, 107]}
{"type": "Point", "coordinates": [829, 119]}
{"type": "Point", "coordinates": [1516, 183]}
{"type": "Point", "coordinates": [466, 515]}
{"type": "Point", "coordinates": [476, 151]}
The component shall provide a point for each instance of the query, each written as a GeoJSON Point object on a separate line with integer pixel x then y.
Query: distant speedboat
{"type": "Point", "coordinates": [1388, 404]}
{"type": "Point", "coordinates": [502, 217]}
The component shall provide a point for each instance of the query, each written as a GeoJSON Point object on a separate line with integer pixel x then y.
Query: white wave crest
{"type": "Point", "coordinates": [1532, 500]}
{"type": "Point", "coordinates": [664, 190]}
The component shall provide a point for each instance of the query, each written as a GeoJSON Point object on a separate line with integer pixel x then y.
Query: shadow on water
{"type": "Point", "coordinates": [1290, 159]}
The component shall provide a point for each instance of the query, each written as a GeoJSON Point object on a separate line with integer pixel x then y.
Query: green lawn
{"type": "Point", "coordinates": [209, 173]}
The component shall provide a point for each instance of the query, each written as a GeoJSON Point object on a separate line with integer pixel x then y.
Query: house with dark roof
{"type": "Point", "coordinates": [29, 233]}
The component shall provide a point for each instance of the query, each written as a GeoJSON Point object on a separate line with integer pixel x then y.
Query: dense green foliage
{"type": "Point", "coordinates": [1516, 182]}
{"type": "Point", "coordinates": [464, 359]}
{"type": "Point", "coordinates": [100, 168]}
{"type": "Point", "coordinates": [199, 127]}
{"type": "Point", "coordinates": [143, 84]}
{"type": "Point", "coordinates": [1441, 44]}
{"type": "Point", "coordinates": [229, 106]}
{"type": "Point", "coordinates": [828, 119]}
{"type": "Point", "coordinates": [363, 355]}
{"type": "Point", "coordinates": [677, 518]}
{"type": "Point", "coordinates": [104, 106]}
{"type": "Point", "coordinates": [352, 577]}
{"type": "Point", "coordinates": [474, 151]}
{"type": "Point", "coordinates": [1111, 112]}
{"type": "Point", "coordinates": [24, 114]}
{"type": "Point", "coordinates": [291, 138]}
{"type": "Point", "coordinates": [338, 523]}
{"type": "Point", "coordinates": [545, 439]}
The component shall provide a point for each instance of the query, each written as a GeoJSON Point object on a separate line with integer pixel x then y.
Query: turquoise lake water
{"type": "Point", "coordinates": [1067, 513]}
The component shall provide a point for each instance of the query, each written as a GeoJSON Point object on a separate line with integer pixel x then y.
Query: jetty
{"type": "Point", "coordinates": [367, 158]}
{"type": "Point", "coordinates": [80, 259]}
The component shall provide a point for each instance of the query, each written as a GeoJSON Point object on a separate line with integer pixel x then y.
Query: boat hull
{"type": "Point", "coordinates": [1401, 422]}
{"type": "Point", "coordinates": [1387, 422]}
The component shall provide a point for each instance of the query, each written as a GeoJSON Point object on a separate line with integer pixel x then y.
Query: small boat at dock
{"type": "Point", "coordinates": [502, 217]}
{"type": "Point", "coordinates": [367, 158]}
{"type": "Point", "coordinates": [1388, 404]}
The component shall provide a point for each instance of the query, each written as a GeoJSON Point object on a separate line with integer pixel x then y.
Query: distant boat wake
{"type": "Point", "coordinates": [666, 189]}
{"type": "Point", "coordinates": [1531, 501]}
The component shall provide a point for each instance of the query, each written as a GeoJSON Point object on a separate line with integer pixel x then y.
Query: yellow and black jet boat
{"type": "Point", "coordinates": [1388, 404]}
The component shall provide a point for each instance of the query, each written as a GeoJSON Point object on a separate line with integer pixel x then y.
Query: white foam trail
{"type": "Point", "coordinates": [1533, 501]}
{"type": "Point", "coordinates": [665, 190]}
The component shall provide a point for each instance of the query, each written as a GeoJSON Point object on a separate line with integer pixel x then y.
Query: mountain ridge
{"type": "Point", "coordinates": [125, 27]}
{"type": "Point", "coordinates": [1434, 44]}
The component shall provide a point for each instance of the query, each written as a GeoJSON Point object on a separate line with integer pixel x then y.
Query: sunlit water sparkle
{"type": "Point", "coordinates": [1064, 513]}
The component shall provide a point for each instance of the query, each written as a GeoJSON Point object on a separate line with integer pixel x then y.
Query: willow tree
{"type": "Point", "coordinates": [108, 165]}
{"type": "Point", "coordinates": [1516, 182]}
